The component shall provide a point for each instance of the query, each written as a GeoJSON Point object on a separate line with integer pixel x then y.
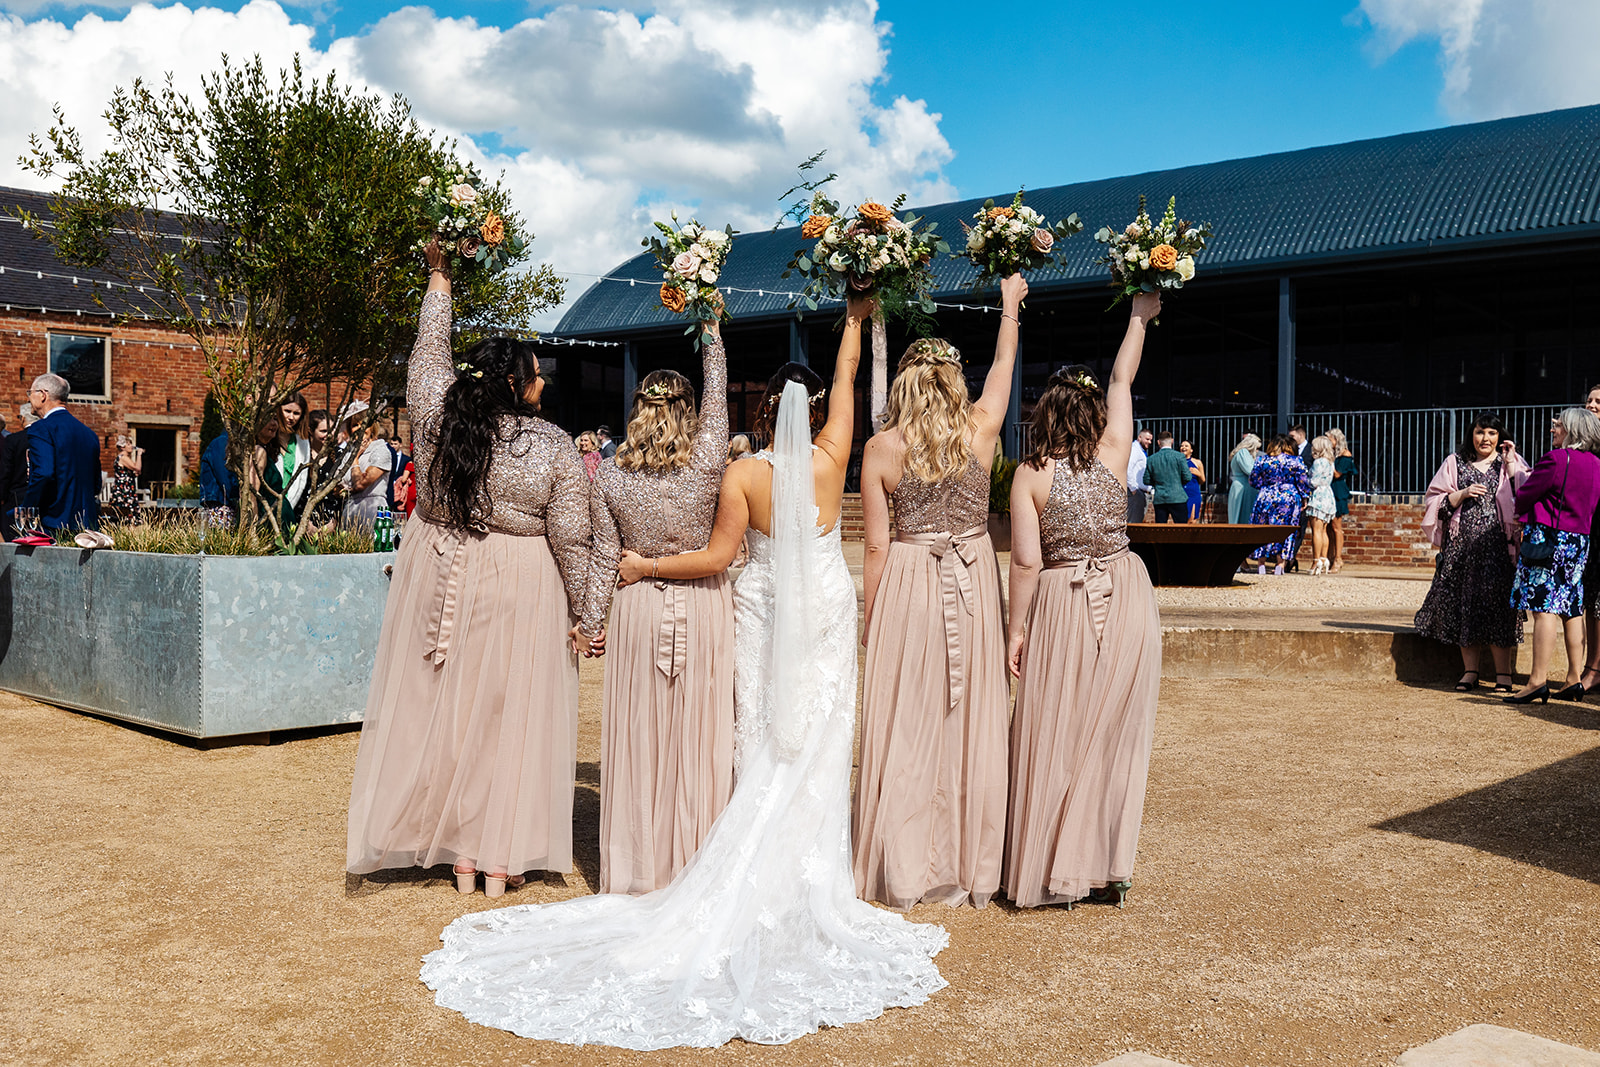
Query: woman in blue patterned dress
{"type": "Point", "coordinates": [1557, 503]}
{"type": "Point", "coordinates": [1282, 485]}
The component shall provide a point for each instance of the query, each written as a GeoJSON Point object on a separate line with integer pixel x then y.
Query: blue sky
{"type": "Point", "coordinates": [601, 117]}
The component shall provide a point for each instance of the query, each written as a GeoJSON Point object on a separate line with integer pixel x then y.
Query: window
{"type": "Point", "coordinates": [84, 360]}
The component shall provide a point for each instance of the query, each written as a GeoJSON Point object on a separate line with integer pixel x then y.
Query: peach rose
{"type": "Point", "coordinates": [1001, 213]}
{"type": "Point", "coordinates": [1163, 257]}
{"type": "Point", "coordinates": [468, 247]}
{"type": "Point", "coordinates": [493, 229]}
{"type": "Point", "coordinates": [672, 299]}
{"type": "Point", "coordinates": [1042, 241]}
{"type": "Point", "coordinates": [815, 226]}
{"type": "Point", "coordinates": [875, 212]}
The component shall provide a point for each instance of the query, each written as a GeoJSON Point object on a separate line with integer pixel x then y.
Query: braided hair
{"type": "Point", "coordinates": [490, 381]}
{"type": "Point", "coordinates": [1069, 419]}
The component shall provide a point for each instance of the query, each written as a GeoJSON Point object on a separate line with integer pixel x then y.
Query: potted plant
{"type": "Point", "coordinates": [1000, 476]}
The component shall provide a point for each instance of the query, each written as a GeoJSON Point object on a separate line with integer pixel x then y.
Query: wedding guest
{"type": "Point", "coordinates": [1166, 473]}
{"type": "Point", "coordinates": [1281, 485]}
{"type": "Point", "coordinates": [1344, 469]}
{"type": "Point", "coordinates": [14, 473]}
{"type": "Point", "coordinates": [367, 480]}
{"type": "Point", "coordinates": [1556, 505]}
{"type": "Point", "coordinates": [278, 472]}
{"type": "Point", "coordinates": [63, 461]}
{"type": "Point", "coordinates": [125, 479]}
{"type": "Point", "coordinates": [1138, 456]}
{"type": "Point", "coordinates": [1195, 486]}
{"type": "Point", "coordinates": [469, 745]}
{"type": "Point", "coordinates": [1302, 447]}
{"type": "Point", "coordinates": [1085, 643]}
{"type": "Point", "coordinates": [738, 447]}
{"type": "Point", "coordinates": [1320, 506]}
{"type": "Point", "coordinates": [608, 447]}
{"type": "Point", "coordinates": [930, 812]}
{"type": "Point", "coordinates": [1591, 581]}
{"type": "Point", "coordinates": [666, 716]}
{"type": "Point", "coordinates": [328, 511]}
{"type": "Point", "coordinates": [589, 449]}
{"type": "Point", "coordinates": [1241, 494]}
{"type": "Point", "coordinates": [219, 486]}
{"type": "Point", "coordinates": [1470, 515]}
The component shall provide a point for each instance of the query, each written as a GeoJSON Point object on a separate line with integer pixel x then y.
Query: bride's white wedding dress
{"type": "Point", "coordinates": [761, 935]}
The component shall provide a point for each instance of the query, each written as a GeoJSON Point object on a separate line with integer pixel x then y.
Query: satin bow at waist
{"type": "Point", "coordinates": [956, 553]}
{"type": "Point", "coordinates": [450, 560]}
{"type": "Point", "coordinates": [1091, 573]}
{"type": "Point", "coordinates": [672, 634]}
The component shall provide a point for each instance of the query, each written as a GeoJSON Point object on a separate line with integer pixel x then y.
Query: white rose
{"type": "Point", "coordinates": [838, 261]}
{"type": "Point", "coordinates": [1132, 255]}
{"type": "Point", "coordinates": [714, 237]}
{"type": "Point", "coordinates": [463, 194]}
{"type": "Point", "coordinates": [425, 181]}
{"type": "Point", "coordinates": [708, 275]}
{"type": "Point", "coordinates": [830, 236]}
{"type": "Point", "coordinates": [691, 231]}
{"type": "Point", "coordinates": [1185, 267]}
{"type": "Point", "coordinates": [699, 251]}
{"type": "Point", "coordinates": [975, 241]}
{"type": "Point", "coordinates": [1018, 227]}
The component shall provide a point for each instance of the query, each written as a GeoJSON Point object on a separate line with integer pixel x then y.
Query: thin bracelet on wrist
{"type": "Point", "coordinates": [1013, 318]}
{"type": "Point", "coordinates": [653, 565]}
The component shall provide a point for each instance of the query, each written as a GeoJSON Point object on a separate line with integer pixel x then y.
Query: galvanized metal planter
{"type": "Point", "coordinates": [205, 646]}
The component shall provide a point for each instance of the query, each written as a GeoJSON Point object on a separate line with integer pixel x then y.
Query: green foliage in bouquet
{"type": "Point", "coordinates": [471, 220]}
{"type": "Point", "coordinates": [691, 258]}
{"type": "Point", "coordinates": [871, 252]}
{"type": "Point", "coordinates": [1003, 241]}
{"type": "Point", "coordinates": [1145, 257]}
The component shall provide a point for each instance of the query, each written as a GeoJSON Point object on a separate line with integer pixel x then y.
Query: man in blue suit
{"type": "Point", "coordinates": [63, 461]}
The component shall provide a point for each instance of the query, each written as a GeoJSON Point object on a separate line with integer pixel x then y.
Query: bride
{"type": "Point", "coordinates": [761, 936]}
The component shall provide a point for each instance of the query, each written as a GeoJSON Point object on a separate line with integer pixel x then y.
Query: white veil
{"type": "Point", "coordinates": [794, 536]}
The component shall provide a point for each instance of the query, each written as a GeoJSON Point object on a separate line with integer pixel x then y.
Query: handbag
{"type": "Point", "coordinates": [1541, 552]}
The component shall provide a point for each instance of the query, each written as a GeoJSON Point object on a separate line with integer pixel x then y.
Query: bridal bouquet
{"type": "Point", "coordinates": [870, 252]}
{"type": "Point", "coordinates": [691, 259]}
{"type": "Point", "coordinates": [1146, 256]}
{"type": "Point", "coordinates": [1005, 240]}
{"type": "Point", "coordinates": [468, 219]}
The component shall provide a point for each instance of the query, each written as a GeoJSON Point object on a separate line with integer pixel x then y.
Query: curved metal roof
{"type": "Point", "coordinates": [1524, 179]}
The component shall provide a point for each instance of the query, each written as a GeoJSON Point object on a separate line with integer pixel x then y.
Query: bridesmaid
{"type": "Point", "coordinates": [1085, 643]}
{"type": "Point", "coordinates": [931, 800]}
{"type": "Point", "coordinates": [469, 744]}
{"type": "Point", "coordinates": [666, 720]}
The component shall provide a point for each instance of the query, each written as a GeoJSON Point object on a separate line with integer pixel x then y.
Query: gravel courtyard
{"type": "Point", "coordinates": [1328, 874]}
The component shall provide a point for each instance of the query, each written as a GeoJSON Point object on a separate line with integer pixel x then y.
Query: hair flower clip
{"type": "Point", "coordinates": [1086, 380]}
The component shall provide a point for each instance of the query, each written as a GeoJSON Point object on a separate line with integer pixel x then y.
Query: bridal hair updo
{"type": "Point", "coordinates": [491, 378]}
{"type": "Point", "coordinates": [662, 426]}
{"type": "Point", "coordinates": [1069, 419]}
{"type": "Point", "coordinates": [767, 415]}
{"type": "Point", "coordinates": [929, 405]}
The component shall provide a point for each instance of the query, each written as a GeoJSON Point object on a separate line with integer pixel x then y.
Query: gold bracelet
{"type": "Point", "coordinates": [1013, 318]}
{"type": "Point", "coordinates": [653, 565]}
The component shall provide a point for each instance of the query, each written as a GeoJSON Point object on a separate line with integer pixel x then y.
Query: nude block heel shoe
{"type": "Point", "coordinates": [494, 885]}
{"type": "Point", "coordinates": [466, 881]}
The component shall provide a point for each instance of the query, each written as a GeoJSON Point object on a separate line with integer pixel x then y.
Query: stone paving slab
{"type": "Point", "coordinates": [1495, 1046]}
{"type": "Point", "coordinates": [1140, 1059]}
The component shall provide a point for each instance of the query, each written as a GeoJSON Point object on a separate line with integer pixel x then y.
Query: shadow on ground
{"type": "Point", "coordinates": [1549, 817]}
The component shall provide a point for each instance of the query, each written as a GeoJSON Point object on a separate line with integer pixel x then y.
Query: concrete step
{"type": "Point", "coordinates": [1495, 1046]}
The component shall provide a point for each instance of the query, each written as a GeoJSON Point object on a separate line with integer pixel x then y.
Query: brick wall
{"type": "Point", "coordinates": [1386, 531]}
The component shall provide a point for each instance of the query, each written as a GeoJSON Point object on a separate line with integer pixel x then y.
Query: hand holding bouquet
{"type": "Point", "coordinates": [1147, 257]}
{"type": "Point", "coordinates": [691, 260]}
{"type": "Point", "coordinates": [468, 219]}
{"type": "Point", "coordinates": [869, 253]}
{"type": "Point", "coordinates": [1008, 240]}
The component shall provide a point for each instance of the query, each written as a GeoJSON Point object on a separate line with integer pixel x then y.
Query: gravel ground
{"type": "Point", "coordinates": [1326, 876]}
{"type": "Point", "coordinates": [1335, 591]}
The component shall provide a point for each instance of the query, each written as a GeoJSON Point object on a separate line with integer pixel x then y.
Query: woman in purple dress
{"type": "Point", "coordinates": [1282, 486]}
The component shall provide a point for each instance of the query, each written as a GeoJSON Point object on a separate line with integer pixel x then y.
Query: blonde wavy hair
{"type": "Point", "coordinates": [928, 403]}
{"type": "Point", "coordinates": [662, 426]}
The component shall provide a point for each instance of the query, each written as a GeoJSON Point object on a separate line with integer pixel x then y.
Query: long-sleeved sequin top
{"type": "Point", "coordinates": [1086, 515]}
{"type": "Point", "coordinates": [954, 505]}
{"type": "Point", "coordinates": [661, 513]}
{"type": "Point", "coordinates": [536, 480]}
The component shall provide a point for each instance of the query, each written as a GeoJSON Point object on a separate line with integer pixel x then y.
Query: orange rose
{"type": "Point", "coordinates": [493, 229]}
{"type": "Point", "coordinates": [873, 211]}
{"type": "Point", "coordinates": [1163, 257]}
{"type": "Point", "coordinates": [672, 298]}
{"type": "Point", "coordinates": [1002, 213]}
{"type": "Point", "coordinates": [815, 226]}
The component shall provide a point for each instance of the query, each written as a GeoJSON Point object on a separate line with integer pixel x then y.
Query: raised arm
{"type": "Point", "coordinates": [711, 442]}
{"type": "Point", "coordinates": [1030, 487]}
{"type": "Point", "coordinates": [1117, 441]}
{"type": "Point", "coordinates": [838, 433]}
{"type": "Point", "coordinates": [989, 413]}
{"type": "Point", "coordinates": [431, 370]}
{"type": "Point", "coordinates": [733, 517]}
{"type": "Point", "coordinates": [879, 463]}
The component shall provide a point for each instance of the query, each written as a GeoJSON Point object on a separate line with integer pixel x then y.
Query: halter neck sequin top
{"type": "Point", "coordinates": [1086, 515]}
{"type": "Point", "coordinates": [954, 505]}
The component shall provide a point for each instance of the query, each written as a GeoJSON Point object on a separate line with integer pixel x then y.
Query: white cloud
{"type": "Point", "coordinates": [607, 117]}
{"type": "Point", "coordinates": [1500, 57]}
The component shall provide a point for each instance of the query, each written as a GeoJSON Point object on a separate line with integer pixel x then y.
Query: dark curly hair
{"type": "Point", "coordinates": [1467, 449]}
{"type": "Point", "coordinates": [767, 413]}
{"type": "Point", "coordinates": [490, 380]}
{"type": "Point", "coordinates": [1069, 419]}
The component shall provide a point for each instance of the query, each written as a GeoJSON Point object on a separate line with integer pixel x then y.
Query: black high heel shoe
{"type": "Point", "coordinates": [1575, 691]}
{"type": "Point", "coordinates": [1505, 686]}
{"type": "Point", "coordinates": [1541, 694]}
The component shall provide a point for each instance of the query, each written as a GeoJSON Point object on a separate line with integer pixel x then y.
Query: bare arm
{"type": "Point", "coordinates": [733, 517]}
{"type": "Point", "coordinates": [989, 413]}
{"type": "Point", "coordinates": [839, 431]}
{"type": "Point", "coordinates": [879, 463]}
{"type": "Point", "coordinates": [1117, 441]}
{"type": "Point", "coordinates": [1028, 489]}
{"type": "Point", "coordinates": [362, 478]}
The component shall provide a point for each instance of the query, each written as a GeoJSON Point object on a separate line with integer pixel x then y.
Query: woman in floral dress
{"type": "Point", "coordinates": [125, 480]}
{"type": "Point", "coordinates": [1470, 514]}
{"type": "Point", "coordinates": [1282, 485]}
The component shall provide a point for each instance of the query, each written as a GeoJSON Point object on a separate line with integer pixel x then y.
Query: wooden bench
{"type": "Point", "coordinates": [1195, 553]}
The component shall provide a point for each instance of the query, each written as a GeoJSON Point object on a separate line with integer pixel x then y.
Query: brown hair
{"type": "Point", "coordinates": [663, 424]}
{"type": "Point", "coordinates": [1281, 444]}
{"type": "Point", "coordinates": [929, 404]}
{"type": "Point", "coordinates": [767, 414]}
{"type": "Point", "coordinates": [1069, 419]}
